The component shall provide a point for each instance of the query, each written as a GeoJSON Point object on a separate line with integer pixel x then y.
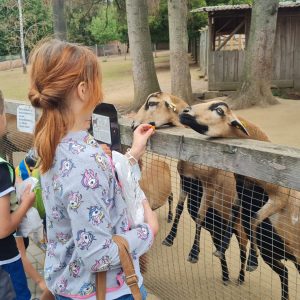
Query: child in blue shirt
{"type": "Point", "coordinates": [10, 259]}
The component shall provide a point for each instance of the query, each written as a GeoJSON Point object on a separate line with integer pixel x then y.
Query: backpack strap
{"type": "Point", "coordinates": [128, 268]}
{"type": "Point", "coordinates": [10, 169]}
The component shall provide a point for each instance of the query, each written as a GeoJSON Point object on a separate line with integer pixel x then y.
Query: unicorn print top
{"type": "Point", "coordinates": [84, 208]}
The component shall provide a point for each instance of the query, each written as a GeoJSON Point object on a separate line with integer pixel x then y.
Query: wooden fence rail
{"type": "Point", "coordinates": [266, 161]}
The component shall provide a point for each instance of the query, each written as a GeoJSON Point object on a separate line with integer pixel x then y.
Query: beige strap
{"type": "Point", "coordinates": [100, 285]}
{"type": "Point", "coordinates": [128, 268]}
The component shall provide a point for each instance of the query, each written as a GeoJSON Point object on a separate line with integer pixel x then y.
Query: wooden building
{"type": "Point", "coordinates": [224, 41]}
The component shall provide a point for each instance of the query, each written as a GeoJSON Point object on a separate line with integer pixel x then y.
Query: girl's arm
{"type": "Point", "coordinates": [10, 221]}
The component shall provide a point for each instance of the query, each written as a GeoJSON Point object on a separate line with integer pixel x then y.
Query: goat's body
{"type": "Point", "coordinates": [156, 184]}
{"type": "Point", "coordinates": [270, 213]}
{"type": "Point", "coordinates": [210, 197]}
{"type": "Point", "coordinates": [213, 190]}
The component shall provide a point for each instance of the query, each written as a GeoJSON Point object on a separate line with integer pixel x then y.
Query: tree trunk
{"type": "Point", "coordinates": [22, 37]}
{"type": "Point", "coordinates": [143, 68]}
{"type": "Point", "coordinates": [179, 63]}
{"type": "Point", "coordinates": [59, 20]}
{"type": "Point", "coordinates": [256, 86]}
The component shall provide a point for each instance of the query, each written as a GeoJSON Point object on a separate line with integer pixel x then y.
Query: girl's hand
{"type": "Point", "coordinates": [28, 197]}
{"type": "Point", "coordinates": [140, 138]}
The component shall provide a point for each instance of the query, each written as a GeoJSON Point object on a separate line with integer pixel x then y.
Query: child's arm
{"type": "Point", "coordinates": [10, 221]}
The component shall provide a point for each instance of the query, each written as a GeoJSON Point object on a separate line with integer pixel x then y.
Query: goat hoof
{"type": "Point", "coordinates": [218, 254]}
{"type": "Point", "coordinates": [240, 281]}
{"type": "Point", "coordinates": [226, 282]}
{"type": "Point", "coordinates": [251, 268]}
{"type": "Point", "coordinates": [167, 242]}
{"type": "Point", "coordinates": [192, 259]}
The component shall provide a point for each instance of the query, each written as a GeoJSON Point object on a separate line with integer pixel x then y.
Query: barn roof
{"type": "Point", "coordinates": [220, 8]}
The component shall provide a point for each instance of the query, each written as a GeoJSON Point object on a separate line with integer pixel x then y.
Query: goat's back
{"type": "Point", "coordinates": [156, 181]}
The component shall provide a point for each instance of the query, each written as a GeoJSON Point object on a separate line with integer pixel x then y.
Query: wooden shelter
{"type": "Point", "coordinates": [224, 41]}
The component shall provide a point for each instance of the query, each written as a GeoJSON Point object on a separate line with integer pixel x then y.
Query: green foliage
{"type": "Point", "coordinates": [120, 6]}
{"type": "Point", "coordinates": [158, 23]}
{"type": "Point", "coordinates": [104, 26]}
{"type": "Point", "coordinates": [89, 21]}
{"type": "Point", "coordinates": [195, 20]}
{"type": "Point", "coordinates": [79, 15]}
{"type": "Point", "coordinates": [37, 23]}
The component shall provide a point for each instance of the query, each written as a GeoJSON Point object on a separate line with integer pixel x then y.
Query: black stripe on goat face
{"type": "Point", "coordinates": [150, 103]}
{"type": "Point", "coordinates": [190, 121]}
{"type": "Point", "coordinates": [216, 107]}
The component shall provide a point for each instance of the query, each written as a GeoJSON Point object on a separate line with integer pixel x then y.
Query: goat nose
{"type": "Point", "coordinates": [187, 109]}
{"type": "Point", "coordinates": [152, 123]}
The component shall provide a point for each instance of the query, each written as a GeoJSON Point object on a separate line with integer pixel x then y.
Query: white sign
{"type": "Point", "coordinates": [101, 128]}
{"type": "Point", "coordinates": [25, 118]}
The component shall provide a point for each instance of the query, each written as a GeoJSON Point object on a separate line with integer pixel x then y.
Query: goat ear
{"type": "Point", "coordinates": [170, 104]}
{"type": "Point", "coordinates": [235, 122]}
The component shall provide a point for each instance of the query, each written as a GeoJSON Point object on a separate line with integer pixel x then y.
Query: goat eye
{"type": "Point", "coordinates": [220, 111]}
{"type": "Point", "coordinates": [152, 103]}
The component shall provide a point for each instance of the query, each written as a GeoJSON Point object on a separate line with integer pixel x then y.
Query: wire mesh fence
{"type": "Point", "coordinates": [175, 271]}
{"type": "Point", "coordinates": [206, 214]}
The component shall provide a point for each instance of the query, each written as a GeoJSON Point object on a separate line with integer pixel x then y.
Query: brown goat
{"type": "Point", "coordinates": [282, 206]}
{"type": "Point", "coordinates": [156, 184]}
{"type": "Point", "coordinates": [208, 188]}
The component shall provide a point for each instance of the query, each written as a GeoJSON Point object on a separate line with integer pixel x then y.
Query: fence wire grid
{"type": "Point", "coordinates": [175, 267]}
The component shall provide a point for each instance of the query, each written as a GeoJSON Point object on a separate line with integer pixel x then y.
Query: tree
{"type": "Point", "coordinates": [59, 21]}
{"type": "Point", "coordinates": [104, 26]}
{"type": "Point", "coordinates": [79, 15]}
{"type": "Point", "coordinates": [255, 88]}
{"type": "Point", "coordinates": [179, 63]}
{"type": "Point", "coordinates": [195, 21]}
{"type": "Point", "coordinates": [158, 23]}
{"type": "Point", "coordinates": [22, 45]}
{"type": "Point", "coordinates": [143, 69]}
{"type": "Point", "coordinates": [37, 22]}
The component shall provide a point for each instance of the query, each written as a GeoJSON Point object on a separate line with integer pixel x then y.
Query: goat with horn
{"type": "Point", "coordinates": [270, 213]}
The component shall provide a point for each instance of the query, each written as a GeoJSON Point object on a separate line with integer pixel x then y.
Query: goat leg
{"type": "Point", "coordinates": [168, 241]}
{"type": "Point", "coordinates": [170, 202]}
{"type": "Point", "coordinates": [228, 232]}
{"type": "Point", "coordinates": [243, 241]}
{"type": "Point", "coordinates": [252, 262]}
{"type": "Point", "coordinates": [194, 253]}
{"type": "Point", "coordinates": [269, 209]}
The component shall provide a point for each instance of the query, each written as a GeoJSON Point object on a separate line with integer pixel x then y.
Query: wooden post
{"type": "Point", "coordinates": [297, 57]}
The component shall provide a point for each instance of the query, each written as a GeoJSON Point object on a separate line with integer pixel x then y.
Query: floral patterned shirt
{"type": "Point", "coordinates": [84, 208]}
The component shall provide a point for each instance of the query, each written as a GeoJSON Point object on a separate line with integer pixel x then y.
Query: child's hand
{"type": "Point", "coordinates": [28, 197]}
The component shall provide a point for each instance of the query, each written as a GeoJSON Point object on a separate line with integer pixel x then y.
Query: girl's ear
{"type": "Point", "coordinates": [82, 91]}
